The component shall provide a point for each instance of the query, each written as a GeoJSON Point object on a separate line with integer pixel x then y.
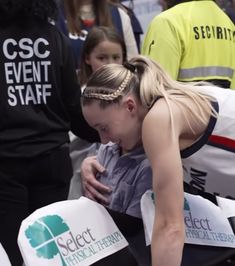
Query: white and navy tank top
{"type": "Point", "coordinates": [209, 164]}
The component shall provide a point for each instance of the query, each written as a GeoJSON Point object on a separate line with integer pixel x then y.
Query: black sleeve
{"type": "Point", "coordinates": [79, 126]}
{"type": "Point", "coordinates": [123, 257]}
{"type": "Point", "coordinates": [127, 224]}
{"type": "Point", "coordinates": [71, 94]}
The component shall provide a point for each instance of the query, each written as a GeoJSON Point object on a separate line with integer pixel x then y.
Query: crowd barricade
{"type": "Point", "coordinates": [72, 232]}
{"type": "Point", "coordinates": [209, 228]}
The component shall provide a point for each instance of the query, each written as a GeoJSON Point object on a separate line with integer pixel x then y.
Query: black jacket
{"type": "Point", "coordinates": [39, 91]}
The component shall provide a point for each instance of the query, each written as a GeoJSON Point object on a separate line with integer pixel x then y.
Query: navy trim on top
{"type": "Point", "coordinates": [204, 138]}
{"type": "Point", "coordinates": [155, 100]}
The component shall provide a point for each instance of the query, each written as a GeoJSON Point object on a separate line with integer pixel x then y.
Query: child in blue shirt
{"type": "Point", "coordinates": [128, 175]}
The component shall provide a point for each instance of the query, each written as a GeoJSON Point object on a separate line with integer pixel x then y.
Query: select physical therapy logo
{"type": "Point", "coordinates": [194, 222]}
{"type": "Point", "coordinates": [202, 228]}
{"type": "Point", "coordinates": [50, 236]}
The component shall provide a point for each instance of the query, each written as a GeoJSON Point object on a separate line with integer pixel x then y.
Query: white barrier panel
{"type": "Point", "coordinates": [205, 223]}
{"type": "Point", "coordinates": [4, 260]}
{"type": "Point", "coordinates": [227, 205]}
{"type": "Point", "coordinates": [69, 233]}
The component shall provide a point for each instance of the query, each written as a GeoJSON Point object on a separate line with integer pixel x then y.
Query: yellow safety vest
{"type": "Point", "coordinates": [193, 41]}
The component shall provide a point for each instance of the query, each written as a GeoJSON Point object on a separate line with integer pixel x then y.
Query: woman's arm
{"type": "Point", "coordinates": [162, 148]}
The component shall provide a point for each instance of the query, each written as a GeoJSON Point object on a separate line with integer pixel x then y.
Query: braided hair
{"type": "Point", "coordinates": [147, 81]}
{"type": "Point", "coordinates": [116, 86]}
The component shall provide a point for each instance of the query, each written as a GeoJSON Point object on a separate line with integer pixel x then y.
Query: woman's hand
{"type": "Point", "coordinates": [92, 188]}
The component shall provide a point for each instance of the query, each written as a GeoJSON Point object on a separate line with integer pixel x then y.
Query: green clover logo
{"type": "Point", "coordinates": [42, 233]}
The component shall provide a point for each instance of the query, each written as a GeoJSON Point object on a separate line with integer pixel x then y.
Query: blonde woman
{"type": "Point", "coordinates": [188, 130]}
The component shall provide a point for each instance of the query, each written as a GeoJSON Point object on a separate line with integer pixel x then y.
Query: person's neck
{"type": "Point", "coordinates": [137, 145]}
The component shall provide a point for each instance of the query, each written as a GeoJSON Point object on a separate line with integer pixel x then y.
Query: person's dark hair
{"type": "Point", "coordinates": [97, 35]}
{"type": "Point", "coordinates": [19, 11]}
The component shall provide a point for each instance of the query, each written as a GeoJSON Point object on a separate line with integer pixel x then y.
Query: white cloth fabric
{"type": "Point", "coordinates": [209, 163]}
{"type": "Point", "coordinates": [205, 223]}
{"type": "Point", "coordinates": [67, 233]}
{"type": "Point", "coordinates": [128, 34]}
{"type": "Point", "coordinates": [4, 260]}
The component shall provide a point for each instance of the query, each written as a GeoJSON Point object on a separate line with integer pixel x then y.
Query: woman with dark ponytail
{"type": "Point", "coordinates": [39, 104]}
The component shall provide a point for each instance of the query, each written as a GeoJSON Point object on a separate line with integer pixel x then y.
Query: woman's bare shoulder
{"type": "Point", "coordinates": [167, 118]}
{"type": "Point", "coordinates": [162, 113]}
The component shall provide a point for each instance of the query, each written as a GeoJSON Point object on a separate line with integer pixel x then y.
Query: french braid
{"type": "Point", "coordinates": [105, 94]}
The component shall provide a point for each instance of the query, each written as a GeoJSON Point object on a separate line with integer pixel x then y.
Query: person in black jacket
{"type": "Point", "coordinates": [39, 104]}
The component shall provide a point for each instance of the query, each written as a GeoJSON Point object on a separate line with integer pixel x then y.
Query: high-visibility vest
{"type": "Point", "coordinates": [193, 41]}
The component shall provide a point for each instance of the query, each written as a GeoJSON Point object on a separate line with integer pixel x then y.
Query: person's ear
{"type": "Point", "coordinates": [130, 104]}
